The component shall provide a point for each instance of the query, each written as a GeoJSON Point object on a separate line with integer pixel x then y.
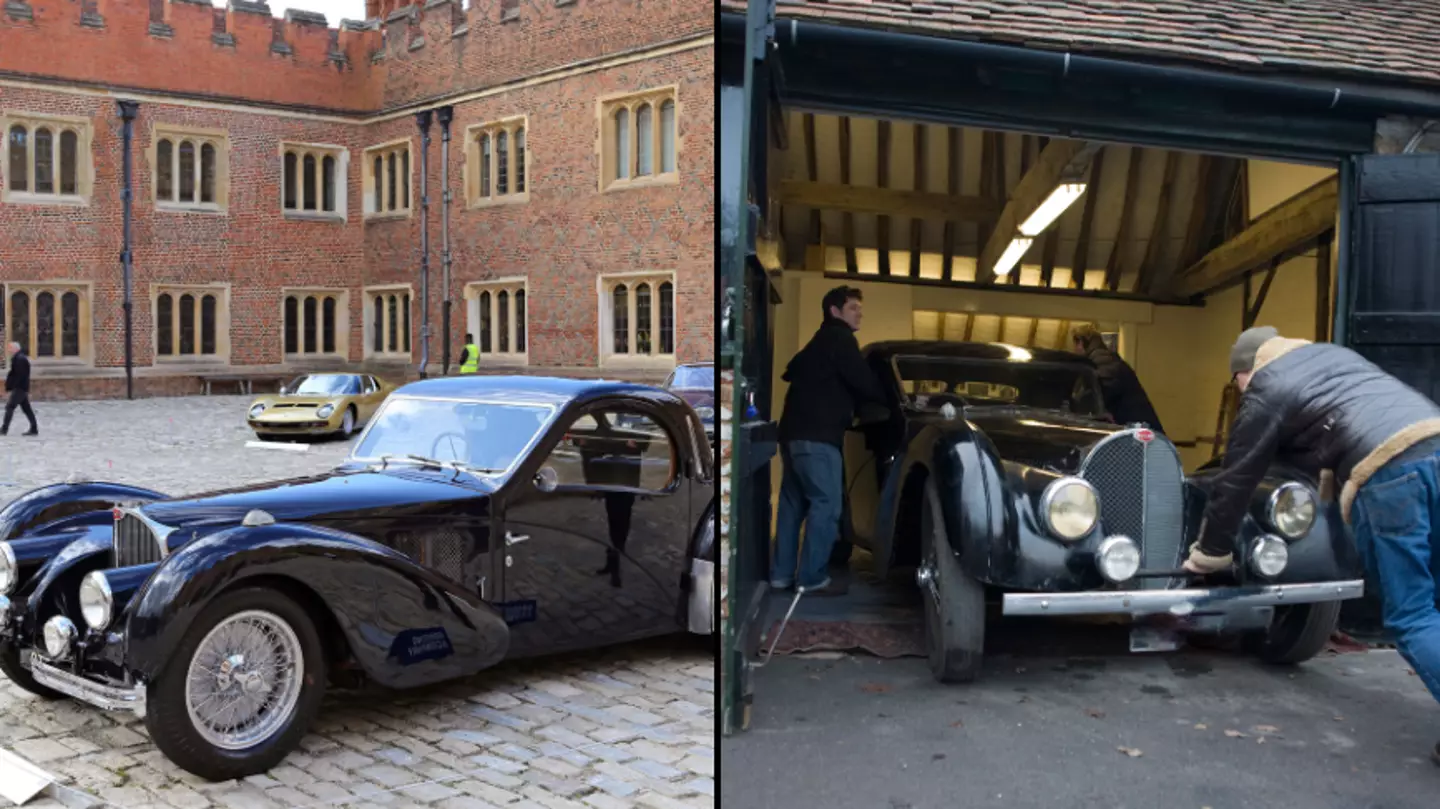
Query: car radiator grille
{"type": "Point", "coordinates": [1142, 488]}
{"type": "Point", "coordinates": [135, 543]}
{"type": "Point", "coordinates": [442, 550]}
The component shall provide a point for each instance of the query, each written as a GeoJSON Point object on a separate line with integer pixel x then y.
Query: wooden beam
{"type": "Point", "coordinates": [1082, 244]}
{"type": "Point", "coordinates": [1298, 220]}
{"type": "Point", "coordinates": [882, 180]}
{"type": "Point", "coordinates": [1034, 329]}
{"type": "Point", "coordinates": [917, 225]}
{"type": "Point", "coordinates": [888, 201]}
{"type": "Point", "coordinates": [812, 170]}
{"type": "Point", "coordinates": [1199, 204]}
{"type": "Point", "coordinates": [1063, 335]}
{"type": "Point", "coordinates": [1127, 217]}
{"type": "Point", "coordinates": [1322, 288]}
{"type": "Point", "coordinates": [1252, 311]}
{"type": "Point", "coordinates": [969, 326]}
{"type": "Point", "coordinates": [1047, 258]}
{"type": "Point", "coordinates": [1032, 190]}
{"type": "Point", "coordinates": [1158, 229]}
{"type": "Point", "coordinates": [956, 158]}
{"type": "Point", "coordinates": [847, 223]}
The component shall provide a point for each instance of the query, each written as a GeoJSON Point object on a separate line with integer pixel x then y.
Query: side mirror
{"type": "Point", "coordinates": [546, 480]}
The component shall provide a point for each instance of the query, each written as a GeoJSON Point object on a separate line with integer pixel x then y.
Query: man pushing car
{"type": "Point", "coordinates": [1338, 412]}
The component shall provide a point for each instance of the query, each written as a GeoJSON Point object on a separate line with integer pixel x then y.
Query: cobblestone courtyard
{"type": "Point", "coordinates": [629, 726]}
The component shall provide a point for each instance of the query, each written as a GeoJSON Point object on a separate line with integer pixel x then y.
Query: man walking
{"type": "Point", "coordinates": [1124, 396]}
{"type": "Point", "coordinates": [470, 359]}
{"type": "Point", "coordinates": [17, 385]}
{"type": "Point", "coordinates": [1339, 413]}
{"type": "Point", "coordinates": [828, 380]}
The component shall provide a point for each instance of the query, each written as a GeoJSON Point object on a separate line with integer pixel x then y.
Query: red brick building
{"type": "Point", "coordinates": [277, 190]}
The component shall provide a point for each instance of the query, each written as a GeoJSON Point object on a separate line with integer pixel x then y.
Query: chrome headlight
{"type": "Point", "coordinates": [1268, 556]}
{"type": "Point", "coordinates": [705, 413]}
{"type": "Point", "coordinates": [96, 601]}
{"type": "Point", "coordinates": [1070, 508]}
{"type": "Point", "coordinates": [1118, 558]}
{"type": "Point", "coordinates": [1291, 511]}
{"type": "Point", "coordinates": [9, 570]}
{"type": "Point", "coordinates": [60, 636]}
{"type": "Point", "coordinates": [256, 410]}
{"type": "Point", "coordinates": [324, 411]}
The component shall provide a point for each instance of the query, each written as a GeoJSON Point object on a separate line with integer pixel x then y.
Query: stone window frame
{"type": "Point", "coordinates": [341, 337]}
{"type": "Point", "coordinates": [319, 151]}
{"type": "Point", "coordinates": [84, 158]}
{"type": "Point", "coordinates": [221, 293]}
{"type": "Point", "coordinates": [607, 110]}
{"type": "Point", "coordinates": [218, 139]}
{"type": "Point", "coordinates": [404, 314]}
{"type": "Point", "coordinates": [475, 173]}
{"type": "Point", "coordinates": [605, 285]}
{"type": "Point", "coordinates": [85, 290]}
{"type": "Point", "coordinates": [490, 349]}
{"type": "Point", "coordinates": [404, 151]}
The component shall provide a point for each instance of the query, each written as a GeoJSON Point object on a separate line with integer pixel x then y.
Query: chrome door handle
{"type": "Point", "coordinates": [512, 539]}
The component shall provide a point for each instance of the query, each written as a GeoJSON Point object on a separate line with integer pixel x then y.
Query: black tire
{"type": "Point", "coordinates": [1297, 634]}
{"type": "Point", "coordinates": [954, 604]}
{"type": "Point", "coordinates": [168, 719]}
{"type": "Point", "coordinates": [21, 676]}
{"type": "Point", "coordinates": [354, 423]}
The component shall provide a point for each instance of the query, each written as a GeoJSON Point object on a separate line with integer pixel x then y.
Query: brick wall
{"type": "Point", "coordinates": [560, 239]}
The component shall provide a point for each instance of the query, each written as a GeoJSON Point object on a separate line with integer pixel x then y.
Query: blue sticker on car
{"type": "Point", "coordinates": [418, 645]}
{"type": "Point", "coordinates": [518, 612]}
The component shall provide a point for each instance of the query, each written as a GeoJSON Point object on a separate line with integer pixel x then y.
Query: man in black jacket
{"type": "Point", "coordinates": [1329, 409]}
{"type": "Point", "coordinates": [828, 380]}
{"type": "Point", "coordinates": [17, 384]}
{"type": "Point", "coordinates": [1125, 398]}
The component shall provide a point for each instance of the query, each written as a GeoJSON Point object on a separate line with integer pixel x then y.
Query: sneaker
{"type": "Point", "coordinates": [31, 432]}
{"type": "Point", "coordinates": [827, 588]}
{"type": "Point", "coordinates": [779, 585]}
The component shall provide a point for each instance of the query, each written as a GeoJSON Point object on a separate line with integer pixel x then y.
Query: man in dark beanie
{"type": "Point", "coordinates": [828, 381]}
{"type": "Point", "coordinates": [1125, 398]}
{"type": "Point", "coordinates": [1332, 410]}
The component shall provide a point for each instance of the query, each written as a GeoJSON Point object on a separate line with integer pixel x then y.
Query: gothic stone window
{"type": "Point", "coordinates": [637, 315]}
{"type": "Point", "coordinates": [51, 320]}
{"type": "Point", "coordinates": [192, 323]}
{"type": "Point", "coordinates": [499, 317]}
{"type": "Point", "coordinates": [496, 165]}
{"type": "Point", "coordinates": [190, 168]}
{"type": "Point", "coordinates": [387, 180]}
{"type": "Point", "coordinates": [312, 180]}
{"type": "Point", "coordinates": [46, 159]}
{"type": "Point", "coordinates": [638, 139]}
{"type": "Point", "coordinates": [316, 322]}
{"type": "Point", "coordinates": [387, 321]}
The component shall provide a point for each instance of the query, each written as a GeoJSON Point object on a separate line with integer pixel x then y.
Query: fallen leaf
{"type": "Point", "coordinates": [958, 723]}
{"type": "Point", "coordinates": [1023, 699]}
{"type": "Point", "coordinates": [1235, 734]}
{"type": "Point", "coordinates": [875, 688]}
{"type": "Point", "coordinates": [1130, 751]}
{"type": "Point", "coordinates": [1265, 729]}
{"type": "Point", "coordinates": [1201, 726]}
{"type": "Point", "coordinates": [1339, 719]}
{"type": "Point", "coordinates": [1260, 740]}
{"type": "Point", "coordinates": [1095, 713]}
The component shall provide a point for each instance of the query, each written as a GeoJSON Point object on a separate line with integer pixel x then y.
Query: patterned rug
{"type": "Point", "coordinates": [879, 639]}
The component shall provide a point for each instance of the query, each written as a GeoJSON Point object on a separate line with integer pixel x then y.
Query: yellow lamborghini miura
{"type": "Point", "coordinates": [318, 404]}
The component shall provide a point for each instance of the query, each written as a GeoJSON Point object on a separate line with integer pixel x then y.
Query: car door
{"type": "Point", "coordinates": [596, 534]}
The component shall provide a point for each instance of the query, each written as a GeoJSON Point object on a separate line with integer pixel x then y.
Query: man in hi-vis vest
{"type": "Point", "coordinates": [470, 360]}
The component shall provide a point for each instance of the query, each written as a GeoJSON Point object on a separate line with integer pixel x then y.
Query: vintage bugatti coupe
{"type": "Point", "coordinates": [997, 476]}
{"type": "Point", "coordinates": [476, 519]}
{"type": "Point", "coordinates": [335, 404]}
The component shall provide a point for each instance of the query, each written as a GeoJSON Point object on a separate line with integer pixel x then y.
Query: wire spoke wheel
{"type": "Point", "coordinates": [244, 679]}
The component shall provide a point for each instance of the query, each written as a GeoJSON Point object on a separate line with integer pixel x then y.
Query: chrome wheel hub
{"type": "Point", "coordinates": [243, 684]}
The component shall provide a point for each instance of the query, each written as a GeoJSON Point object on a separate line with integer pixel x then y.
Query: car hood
{"type": "Point", "coordinates": [332, 494]}
{"type": "Point", "coordinates": [1041, 438]}
{"type": "Point", "coordinates": [300, 401]}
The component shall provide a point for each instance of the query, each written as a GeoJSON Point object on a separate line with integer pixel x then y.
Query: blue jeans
{"type": "Point", "coordinates": [811, 490]}
{"type": "Point", "coordinates": [1397, 531]}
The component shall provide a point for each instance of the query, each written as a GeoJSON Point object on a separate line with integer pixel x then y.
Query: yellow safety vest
{"type": "Point", "coordinates": [472, 359]}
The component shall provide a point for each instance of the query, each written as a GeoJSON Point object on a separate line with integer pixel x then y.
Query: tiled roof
{"type": "Point", "coordinates": [1392, 40]}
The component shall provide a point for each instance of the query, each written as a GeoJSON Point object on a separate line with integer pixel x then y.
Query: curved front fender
{"type": "Point", "coordinates": [33, 510]}
{"type": "Point", "coordinates": [55, 585]}
{"type": "Point", "coordinates": [406, 626]}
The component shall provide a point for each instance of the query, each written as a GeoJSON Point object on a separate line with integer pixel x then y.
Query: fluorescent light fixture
{"type": "Point", "coordinates": [1061, 198]}
{"type": "Point", "coordinates": [1012, 255]}
{"type": "Point", "coordinates": [1017, 353]}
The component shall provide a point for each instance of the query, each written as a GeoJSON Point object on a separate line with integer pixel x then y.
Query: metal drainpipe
{"type": "Point", "coordinates": [128, 110]}
{"type": "Point", "coordinates": [444, 116]}
{"type": "Point", "coordinates": [422, 119]}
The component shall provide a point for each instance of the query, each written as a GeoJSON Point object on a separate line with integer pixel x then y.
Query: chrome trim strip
{"type": "Point", "coordinates": [1156, 602]}
{"type": "Point", "coordinates": [105, 697]}
{"type": "Point", "coordinates": [702, 597]}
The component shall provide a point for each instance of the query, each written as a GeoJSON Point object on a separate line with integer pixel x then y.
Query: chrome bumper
{"type": "Point", "coordinates": [107, 697]}
{"type": "Point", "coordinates": [1179, 602]}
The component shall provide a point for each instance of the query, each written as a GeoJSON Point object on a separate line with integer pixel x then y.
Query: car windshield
{"type": "Point", "coordinates": [695, 376]}
{"type": "Point", "coordinates": [484, 436]}
{"type": "Point", "coordinates": [930, 382]}
{"type": "Point", "coordinates": [324, 385]}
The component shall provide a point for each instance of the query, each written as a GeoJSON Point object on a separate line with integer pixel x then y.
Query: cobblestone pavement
{"type": "Point", "coordinates": [629, 726]}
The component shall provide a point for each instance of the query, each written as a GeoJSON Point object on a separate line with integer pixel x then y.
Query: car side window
{"type": "Point", "coordinates": [615, 447]}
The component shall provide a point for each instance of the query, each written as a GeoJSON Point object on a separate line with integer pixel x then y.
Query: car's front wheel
{"type": "Point", "coordinates": [954, 602]}
{"type": "Point", "coordinates": [21, 676]}
{"type": "Point", "coordinates": [347, 423]}
{"type": "Point", "coordinates": [1297, 633]}
{"type": "Point", "coordinates": [241, 689]}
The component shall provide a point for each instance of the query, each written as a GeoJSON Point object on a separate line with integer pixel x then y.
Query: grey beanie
{"type": "Point", "coordinates": [1242, 354]}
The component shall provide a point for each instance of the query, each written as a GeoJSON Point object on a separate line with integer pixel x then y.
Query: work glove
{"type": "Point", "coordinates": [1200, 562]}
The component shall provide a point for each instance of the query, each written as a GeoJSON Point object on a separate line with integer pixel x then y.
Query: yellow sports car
{"type": "Point", "coordinates": [318, 404]}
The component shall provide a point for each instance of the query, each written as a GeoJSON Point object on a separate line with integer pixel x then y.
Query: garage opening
{"type": "Point", "coordinates": [966, 234]}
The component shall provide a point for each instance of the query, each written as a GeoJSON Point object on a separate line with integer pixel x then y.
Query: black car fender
{"type": "Point", "coordinates": [37, 508]}
{"type": "Point", "coordinates": [404, 625]}
{"type": "Point", "coordinates": [64, 559]}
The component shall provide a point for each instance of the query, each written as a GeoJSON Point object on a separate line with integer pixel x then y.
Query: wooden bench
{"type": "Point", "coordinates": [244, 383]}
